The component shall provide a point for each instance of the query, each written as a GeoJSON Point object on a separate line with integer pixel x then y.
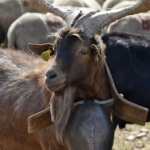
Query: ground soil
{"type": "Point", "coordinates": [132, 137]}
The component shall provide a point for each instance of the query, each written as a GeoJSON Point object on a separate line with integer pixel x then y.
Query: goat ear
{"type": "Point", "coordinates": [40, 48]}
{"type": "Point", "coordinates": [96, 51]}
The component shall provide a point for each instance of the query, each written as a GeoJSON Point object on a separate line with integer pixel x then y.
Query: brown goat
{"type": "Point", "coordinates": [76, 66]}
{"type": "Point", "coordinates": [24, 92]}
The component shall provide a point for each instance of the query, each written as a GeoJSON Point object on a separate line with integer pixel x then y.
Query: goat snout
{"type": "Point", "coordinates": [51, 74]}
{"type": "Point", "coordinates": [55, 79]}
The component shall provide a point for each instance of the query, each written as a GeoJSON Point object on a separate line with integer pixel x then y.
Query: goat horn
{"type": "Point", "coordinates": [95, 22]}
{"type": "Point", "coordinates": [45, 6]}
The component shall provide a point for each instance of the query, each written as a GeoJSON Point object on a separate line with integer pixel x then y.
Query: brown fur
{"type": "Point", "coordinates": [22, 94]}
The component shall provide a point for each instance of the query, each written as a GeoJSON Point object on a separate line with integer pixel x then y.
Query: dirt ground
{"type": "Point", "coordinates": [133, 137]}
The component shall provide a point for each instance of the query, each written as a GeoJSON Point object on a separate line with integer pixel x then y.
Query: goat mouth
{"type": "Point", "coordinates": [55, 87]}
{"type": "Point", "coordinates": [56, 83]}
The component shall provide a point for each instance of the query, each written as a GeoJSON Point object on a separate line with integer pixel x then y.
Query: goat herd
{"type": "Point", "coordinates": [69, 101]}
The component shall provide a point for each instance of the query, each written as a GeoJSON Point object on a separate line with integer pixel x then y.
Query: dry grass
{"type": "Point", "coordinates": [133, 137]}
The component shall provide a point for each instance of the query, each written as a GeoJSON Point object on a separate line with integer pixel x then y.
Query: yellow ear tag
{"type": "Point", "coordinates": [97, 57]}
{"type": "Point", "coordinates": [46, 55]}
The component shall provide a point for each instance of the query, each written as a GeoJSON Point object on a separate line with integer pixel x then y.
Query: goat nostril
{"type": "Point", "coordinates": [52, 76]}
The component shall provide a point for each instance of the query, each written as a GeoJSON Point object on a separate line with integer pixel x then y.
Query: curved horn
{"type": "Point", "coordinates": [94, 22]}
{"type": "Point", "coordinates": [45, 6]}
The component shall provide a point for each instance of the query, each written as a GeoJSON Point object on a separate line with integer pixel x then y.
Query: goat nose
{"type": "Point", "coordinates": [51, 74]}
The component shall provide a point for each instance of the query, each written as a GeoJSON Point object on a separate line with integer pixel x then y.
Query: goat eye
{"type": "Point", "coordinates": [84, 52]}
